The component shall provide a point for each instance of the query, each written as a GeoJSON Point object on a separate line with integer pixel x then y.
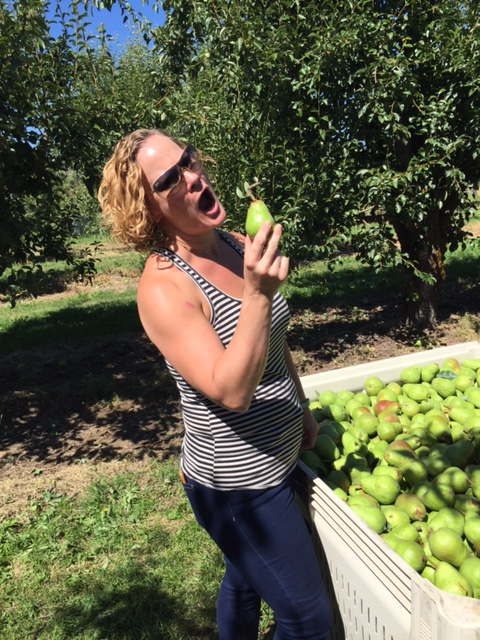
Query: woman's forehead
{"type": "Point", "coordinates": [158, 152]}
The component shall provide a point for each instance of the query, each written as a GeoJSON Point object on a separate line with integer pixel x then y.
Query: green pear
{"type": "Point", "coordinates": [398, 456]}
{"type": "Point", "coordinates": [377, 450]}
{"type": "Point", "coordinates": [447, 578]}
{"type": "Point", "coordinates": [460, 453]}
{"type": "Point", "coordinates": [412, 505]}
{"type": "Point", "coordinates": [436, 464]}
{"type": "Point", "coordinates": [373, 517]}
{"type": "Point", "coordinates": [329, 429]}
{"type": "Point", "coordinates": [394, 515]}
{"type": "Point", "coordinates": [472, 394]}
{"type": "Point", "coordinates": [411, 439]}
{"type": "Point", "coordinates": [314, 462]}
{"type": "Point", "coordinates": [447, 517]}
{"type": "Point", "coordinates": [438, 426]}
{"type": "Point", "coordinates": [461, 431]}
{"type": "Point", "coordinates": [257, 214]}
{"type": "Point", "coordinates": [411, 552]}
{"type": "Point", "coordinates": [335, 411]}
{"type": "Point", "coordinates": [415, 392]}
{"type": "Point", "coordinates": [359, 432]}
{"type": "Point", "coordinates": [386, 470]}
{"type": "Point", "coordinates": [426, 438]}
{"type": "Point", "coordinates": [340, 493]}
{"type": "Point", "coordinates": [339, 479]}
{"type": "Point", "coordinates": [387, 393]}
{"type": "Point", "coordinates": [473, 473]}
{"type": "Point", "coordinates": [367, 421]}
{"type": "Point", "coordinates": [357, 496]}
{"type": "Point", "coordinates": [463, 381]}
{"type": "Point", "coordinates": [455, 477]}
{"type": "Point", "coordinates": [326, 448]}
{"type": "Point", "coordinates": [372, 385]}
{"type": "Point", "coordinates": [466, 503]}
{"type": "Point", "coordinates": [460, 414]}
{"type": "Point", "coordinates": [405, 531]}
{"type": "Point", "coordinates": [470, 569]}
{"type": "Point", "coordinates": [388, 431]}
{"type": "Point", "coordinates": [351, 444]}
{"type": "Point", "coordinates": [356, 461]}
{"type": "Point", "coordinates": [383, 488]}
{"type": "Point", "coordinates": [344, 396]}
{"type": "Point", "coordinates": [429, 371]}
{"type": "Point", "coordinates": [447, 545]}
{"type": "Point", "coordinates": [472, 530]}
{"type": "Point", "coordinates": [410, 407]}
{"type": "Point", "coordinates": [326, 397]}
{"type": "Point", "coordinates": [428, 573]}
{"type": "Point", "coordinates": [438, 496]}
{"type": "Point", "coordinates": [471, 363]}
{"type": "Point", "coordinates": [443, 387]}
{"type": "Point", "coordinates": [414, 471]}
{"type": "Point", "coordinates": [357, 474]}
{"type": "Point", "coordinates": [411, 374]}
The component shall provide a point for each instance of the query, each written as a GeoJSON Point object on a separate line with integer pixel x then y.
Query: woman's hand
{"type": "Point", "coordinates": [310, 430]}
{"type": "Point", "coordinates": [265, 268]}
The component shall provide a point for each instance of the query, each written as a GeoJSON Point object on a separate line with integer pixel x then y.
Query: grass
{"type": "Point", "coordinates": [123, 557]}
{"type": "Point", "coordinates": [123, 560]}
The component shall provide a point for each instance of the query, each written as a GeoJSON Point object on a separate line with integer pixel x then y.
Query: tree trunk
{"type": "Point", "coordinates": [421, 296]}
{"type": "Point", "coordinates": [421, 301]}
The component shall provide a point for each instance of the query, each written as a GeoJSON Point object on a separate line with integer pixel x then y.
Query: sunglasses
{"type": "Point", "coordinates": [167, 184]}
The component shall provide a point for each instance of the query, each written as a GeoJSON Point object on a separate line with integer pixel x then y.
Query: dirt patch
{"type": "Point", "coordinates": [68, 410]}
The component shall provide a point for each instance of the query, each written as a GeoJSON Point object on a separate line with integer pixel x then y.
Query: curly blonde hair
{"type": "Point", "coordinates": [122, 196]}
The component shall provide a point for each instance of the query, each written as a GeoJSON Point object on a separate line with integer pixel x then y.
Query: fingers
{"type": "Point", "coordinates": [265, 243]}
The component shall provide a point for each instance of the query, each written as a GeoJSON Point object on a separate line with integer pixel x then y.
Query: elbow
{"type": "Point", "coordinates": [237, 404]}
{"type": "Point", "coordinates": [236, 407]}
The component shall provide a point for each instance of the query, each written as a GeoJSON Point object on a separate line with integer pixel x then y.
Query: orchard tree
{"type": "Point", "coordinates": [404, 88]}
{"type": "Point", "coordinates": [66, 99]}
{"type": "Point", "coordinates": [361, 121]}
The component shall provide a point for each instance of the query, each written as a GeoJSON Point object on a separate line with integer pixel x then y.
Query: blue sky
{"type": "Point", "coordinates": [113, 19]}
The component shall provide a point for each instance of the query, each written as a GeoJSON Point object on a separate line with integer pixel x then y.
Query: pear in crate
{"type": "Point", "coordinates": [448, 578]}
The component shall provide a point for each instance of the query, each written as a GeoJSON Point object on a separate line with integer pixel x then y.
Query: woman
{"type": "Point", "coordinates": [209, 301]}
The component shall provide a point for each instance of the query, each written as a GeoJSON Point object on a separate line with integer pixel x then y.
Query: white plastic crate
{"type": "Point", "coordinates": [375, 595]}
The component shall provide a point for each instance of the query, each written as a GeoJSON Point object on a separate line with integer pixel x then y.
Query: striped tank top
{"type": "Point", "coordinates": [254, 449]}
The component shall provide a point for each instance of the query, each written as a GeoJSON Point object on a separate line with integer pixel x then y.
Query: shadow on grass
{"type": "Point", "coordinates": [131, 604]}
{"type": "Point", "coordinates": [86, 383]}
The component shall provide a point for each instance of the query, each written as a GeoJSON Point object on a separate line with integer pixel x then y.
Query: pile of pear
{"type": "Point", "coordinates": [405, 457]}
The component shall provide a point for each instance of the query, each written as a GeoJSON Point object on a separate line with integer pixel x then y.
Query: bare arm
{"type": "Point", "coordinates": [173, 318]}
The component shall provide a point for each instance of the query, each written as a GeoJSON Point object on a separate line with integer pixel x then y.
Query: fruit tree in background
{"type": "Point", "coordinates": [361, 121]}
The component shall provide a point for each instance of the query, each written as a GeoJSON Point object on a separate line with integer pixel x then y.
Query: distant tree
{"type": "Point", "coordinates": [361, 120]}
{"type": "Point", "coordinates": [65, 101]}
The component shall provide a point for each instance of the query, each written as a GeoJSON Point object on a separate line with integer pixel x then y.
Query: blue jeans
{"type": "Point", "coordinates": [268, 555]}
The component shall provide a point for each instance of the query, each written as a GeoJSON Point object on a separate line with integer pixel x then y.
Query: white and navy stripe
{"type": "Point", "coordinates": [251, 450]}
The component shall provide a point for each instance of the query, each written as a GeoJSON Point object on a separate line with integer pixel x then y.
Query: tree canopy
{"type": "Point", "coordinates": [360, 120]}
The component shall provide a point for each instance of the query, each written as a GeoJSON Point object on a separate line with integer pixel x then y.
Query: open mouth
{"type": "Point", "coordinates": [206, 201]}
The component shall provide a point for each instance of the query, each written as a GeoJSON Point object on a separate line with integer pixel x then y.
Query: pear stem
{"type": "Point", "coordinates": [249, 192]}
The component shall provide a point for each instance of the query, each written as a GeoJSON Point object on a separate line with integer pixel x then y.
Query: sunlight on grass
{"type": "Point", "coordinates": [84, 315]}
{"type": "Point", "coordinates": [124, 559]}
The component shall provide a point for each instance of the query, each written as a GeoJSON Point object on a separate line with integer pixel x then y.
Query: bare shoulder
{"type": "Point", "coordinates": [162, 286]}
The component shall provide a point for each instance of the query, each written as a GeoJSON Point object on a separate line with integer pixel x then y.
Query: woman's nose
{"type": "Point", "coordinates": [191, 178]}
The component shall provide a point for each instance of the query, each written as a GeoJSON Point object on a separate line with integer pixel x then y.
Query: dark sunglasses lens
{"type": "Point", "coordinates": [168, 180]}
{"type": "Point", "coordinates": [173, 176]}
{"type": "Point", "coordinates": [186, 158]}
